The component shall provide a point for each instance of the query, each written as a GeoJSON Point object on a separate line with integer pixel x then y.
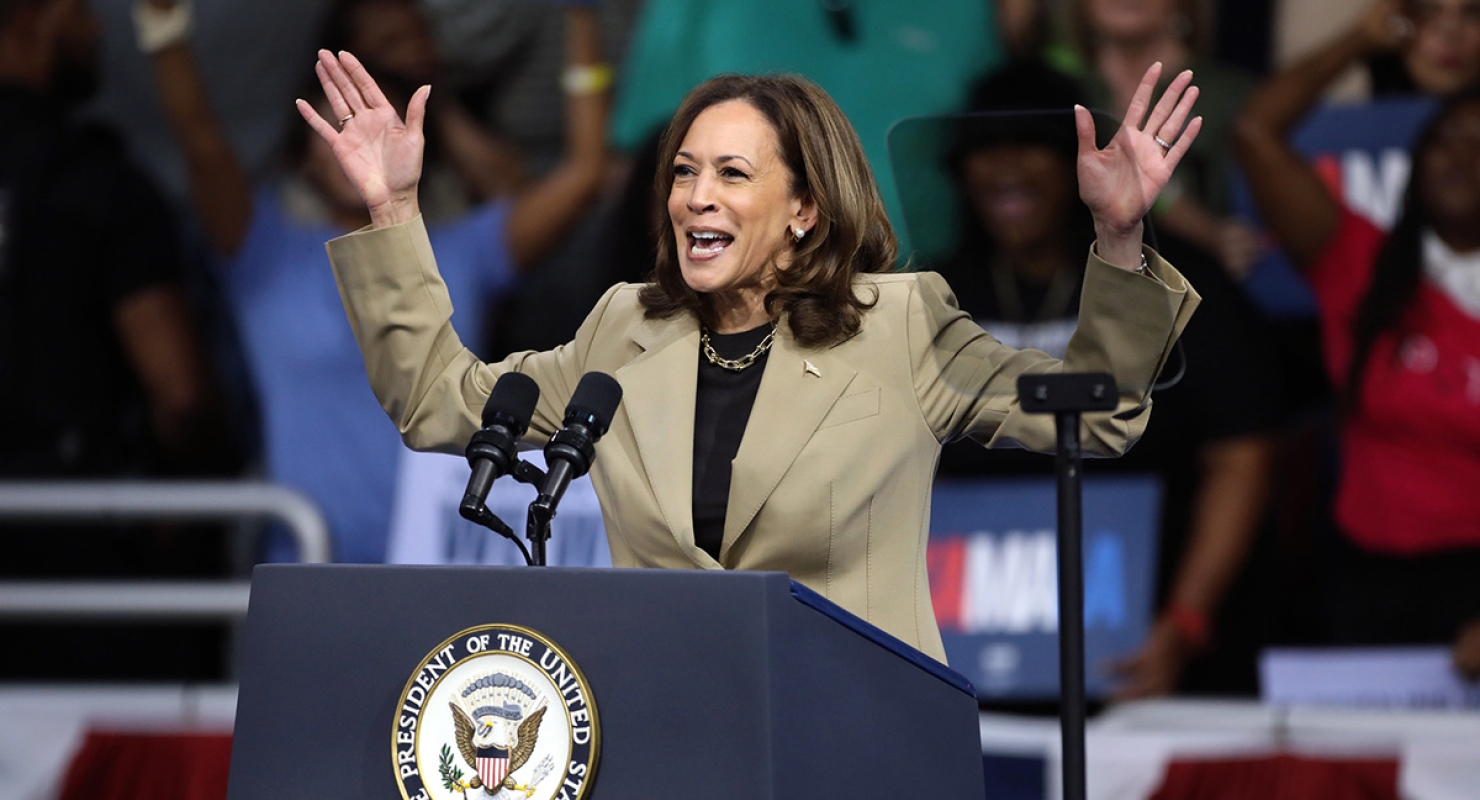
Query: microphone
{"type": "Point", "coordinates": [493, 451]}
{"type": "Point", "coordinates": [572, 449]}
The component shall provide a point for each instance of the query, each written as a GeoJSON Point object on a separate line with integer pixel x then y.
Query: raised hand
{"type": "Point", "coordinates": [1152, 671]}
{"type": "Point", "coordinates": [380, 154]}
{"type": "Point", "coordinates": [1120, 182]}
{"type": "Point", "coordinates": [1384, 27]}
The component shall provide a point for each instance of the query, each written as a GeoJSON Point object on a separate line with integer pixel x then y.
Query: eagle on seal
{"type": "Point", "coordinates": [496, 720]}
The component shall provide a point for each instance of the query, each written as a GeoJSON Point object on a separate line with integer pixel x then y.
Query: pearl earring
{"type": "Point", "coordinates": [800, 232]}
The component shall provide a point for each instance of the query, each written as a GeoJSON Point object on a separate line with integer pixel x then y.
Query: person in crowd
{"type": "Point", "coordinates": [1114, 42]}
{"type": "Point", "coordinates": [501, 58]}
{"type": "Point", "coordinates": [322, 432]}
{"type": "Point", "coordinates": [467, 164]}
{"type": "Point", "coordinates": [785, 397]}
{"type": "Point", "coordinates": [90, 271]}
{"type": "Point", "coordinates": [881, 62]}
{"type": "Point", "coordinates": [1433, 47]}
{"type": "Point", "coordinates": [103, 371]}
{"type": "Point", "coordinates": [1211, 442]}
{"type": "Point", "coordinates": [1400, 323]}
{"type": "Point", "coordinates": [1023, 26]}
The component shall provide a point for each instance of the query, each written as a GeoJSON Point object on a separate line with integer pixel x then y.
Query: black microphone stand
{"type": "Point", "coordinates": [541, 511]}
{"type": "Point", "coordinates": [1067, 396]}
{"type": "Point", "coordinates": [527, 473]}
{"type": "Point", "coordinates": [477, 512]}
{"type": "Point", "coordinates": [537, 530]}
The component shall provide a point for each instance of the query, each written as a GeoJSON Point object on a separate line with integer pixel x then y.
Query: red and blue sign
{"type": "Point", "coordinates": [1361, 153]}
{"type": "Point", "coordinates": [994, 578]}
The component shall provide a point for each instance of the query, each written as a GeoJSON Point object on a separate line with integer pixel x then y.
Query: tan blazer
{"type": "Point", "coordinates": [832, 480]}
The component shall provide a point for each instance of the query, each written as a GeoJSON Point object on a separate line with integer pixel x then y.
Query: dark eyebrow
{"type": "Point", "coordinates": [720, 160]}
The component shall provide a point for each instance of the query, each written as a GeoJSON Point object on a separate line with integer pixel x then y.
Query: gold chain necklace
{"type": "Point", "coordinates": [735, 365]}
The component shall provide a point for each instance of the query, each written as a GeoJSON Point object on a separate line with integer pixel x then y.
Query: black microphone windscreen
{"type": "Point", "coordinates": [597, 395]}
{"type": "Point", "coordinates": [513, 397]}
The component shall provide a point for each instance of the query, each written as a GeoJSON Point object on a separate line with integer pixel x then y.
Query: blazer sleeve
{"type": "Point", "coordinates": [966, 381]}
{"type": "Point", "coordinates": [432, 387]}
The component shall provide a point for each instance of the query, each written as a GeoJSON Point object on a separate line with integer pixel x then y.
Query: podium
{"type": "Point", "coordinates": [706, 684]}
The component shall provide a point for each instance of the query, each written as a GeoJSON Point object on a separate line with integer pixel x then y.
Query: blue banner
{"type": "Point", "coordinates": [994, 580]}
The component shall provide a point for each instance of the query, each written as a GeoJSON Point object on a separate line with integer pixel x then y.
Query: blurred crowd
{"type": "Point", "coordinates": [166, 308]}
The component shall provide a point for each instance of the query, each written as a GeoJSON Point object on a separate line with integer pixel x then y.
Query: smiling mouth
{"type": "Point", "coordinates": [707, 244]}
{"type": "Point", "coordinates": [1012, 203]}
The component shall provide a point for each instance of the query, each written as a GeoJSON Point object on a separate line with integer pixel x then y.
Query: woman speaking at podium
{"type": "Point", "coordinates": [785, 392]}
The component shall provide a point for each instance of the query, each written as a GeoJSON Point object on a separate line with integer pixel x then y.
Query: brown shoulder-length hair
{"type": "Point", "coordinates": [852, 235]}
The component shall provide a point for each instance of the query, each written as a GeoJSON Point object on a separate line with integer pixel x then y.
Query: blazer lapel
{"type": "Point", "coordinates": [797, 390]}
{"type": "Point", "coordinates": [658, 396]}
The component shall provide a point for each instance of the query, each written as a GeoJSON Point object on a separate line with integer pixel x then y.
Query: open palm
{"type": "Point", "coordinates": [1120, 182]}
{"type": "Point", "coordinates": [380, 154]}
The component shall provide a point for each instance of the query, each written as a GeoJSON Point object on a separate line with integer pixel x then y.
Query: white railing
{"type": "Point", "coordinates": [183, 501]}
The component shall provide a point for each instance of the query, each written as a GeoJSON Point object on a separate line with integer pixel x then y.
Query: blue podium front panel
{"type": "Point", "coordinates": [706, 684]}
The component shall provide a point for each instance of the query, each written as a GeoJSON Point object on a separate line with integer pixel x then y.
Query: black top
{"type": "Point", "coordinates": [81, 230]}
{"type": "Point", "coordinates": [721, 408]}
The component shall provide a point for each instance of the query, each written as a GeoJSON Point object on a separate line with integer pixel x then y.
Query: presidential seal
{"type": "Point", "coordinates": [497, 711]}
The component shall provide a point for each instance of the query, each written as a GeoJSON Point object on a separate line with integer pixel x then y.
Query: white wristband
{"type": "Point", "coordinates": [158, 28]}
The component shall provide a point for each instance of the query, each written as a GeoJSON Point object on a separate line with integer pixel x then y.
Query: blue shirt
{"type": "Point", "coordinates": [323, 431]}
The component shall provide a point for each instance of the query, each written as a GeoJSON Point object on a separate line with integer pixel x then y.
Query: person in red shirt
{"type": "Point", "coordinates": [1400, 324]}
